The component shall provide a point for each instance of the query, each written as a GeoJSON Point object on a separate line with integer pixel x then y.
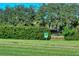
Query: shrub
{"type": "Point", "coordinates": [18, 32]}
{"type": "Point", "coordinates": [67, 31]}
{"type": "Point", "coordinates": [73, 37]}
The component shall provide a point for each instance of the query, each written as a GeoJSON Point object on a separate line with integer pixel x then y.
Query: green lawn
{"type": "Point", "coordinates": [38, 47]}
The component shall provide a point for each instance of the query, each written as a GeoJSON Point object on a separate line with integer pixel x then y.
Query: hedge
{"type": "Point", "coordinates": [75, 36]}
{"type": "Point", "coordinates": [15, 32]}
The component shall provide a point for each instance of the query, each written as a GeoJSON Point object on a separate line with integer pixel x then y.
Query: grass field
{"type": "Point", "coordinates": [14, 47]}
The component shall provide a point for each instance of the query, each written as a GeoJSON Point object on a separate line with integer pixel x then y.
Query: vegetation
{"type": "Point", "coordinates": [18, 32]}
{"type": "Point", "coordinates": [64, 18]}
{"type": "Point", "coordinates": [19, 23]}
{"type": "Point", "coordinates": [21, 47]}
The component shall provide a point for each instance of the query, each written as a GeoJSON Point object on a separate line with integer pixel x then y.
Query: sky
{"type": "Point", "coordinates": [3, 5]}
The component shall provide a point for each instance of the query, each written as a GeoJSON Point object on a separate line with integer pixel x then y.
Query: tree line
{"type": "Point", "coordinates": [58, 17]}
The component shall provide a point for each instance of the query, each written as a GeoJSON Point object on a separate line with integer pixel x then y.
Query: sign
{"type": "Point", "coordinates": [46, 35]}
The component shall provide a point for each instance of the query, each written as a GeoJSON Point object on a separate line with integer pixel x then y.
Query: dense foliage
{"type": "Point", "coordinates": [62, 17]}
{"type": "Point", "coordinates": [22, 32]}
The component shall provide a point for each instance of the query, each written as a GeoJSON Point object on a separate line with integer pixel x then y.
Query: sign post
{"type": "Point", "coordinates": [46, 35]}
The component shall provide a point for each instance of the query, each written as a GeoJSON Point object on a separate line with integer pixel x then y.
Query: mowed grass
{"type": "Point", "coordinates": [12, 47]}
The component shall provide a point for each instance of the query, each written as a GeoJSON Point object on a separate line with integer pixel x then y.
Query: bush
{"type": "Point", "coordinates": [15, 32]}
{"type": "Point", "coordinates": [67, 31]}
{"type": "Point", "coordinates": [73, 37]}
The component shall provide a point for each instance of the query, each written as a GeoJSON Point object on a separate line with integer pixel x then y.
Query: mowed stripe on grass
{"type": "Point", "coordinates": [38, 47]}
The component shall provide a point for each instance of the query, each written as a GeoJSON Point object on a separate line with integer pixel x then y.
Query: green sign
{"type": "Point", "coordinates": [46, 35]}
